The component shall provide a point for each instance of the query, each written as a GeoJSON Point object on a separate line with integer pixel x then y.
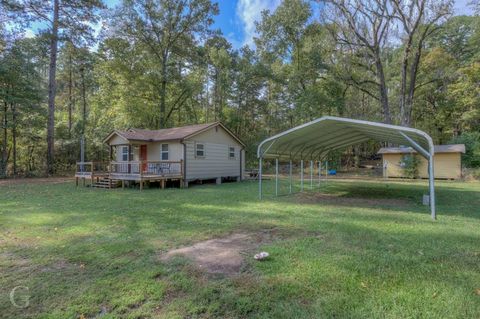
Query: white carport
{"type": "Point", "coordinates": [312, 141]}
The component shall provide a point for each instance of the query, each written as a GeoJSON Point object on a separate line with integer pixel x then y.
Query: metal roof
{"type": "Point", "coordinates": [450, 148]}
{"type": "Point", "coordinates": [315, 139]}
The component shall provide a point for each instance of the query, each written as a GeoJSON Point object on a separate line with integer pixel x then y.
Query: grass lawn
{"type": "Point", "coordinates": [362, 249]}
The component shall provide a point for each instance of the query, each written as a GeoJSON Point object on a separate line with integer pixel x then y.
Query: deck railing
{"type": "Point", "coordinates": [88, 169]}
{"type": "Point", "coordinates": [132, 168]}
{"type": "Point", "coordinates": [147, 168]}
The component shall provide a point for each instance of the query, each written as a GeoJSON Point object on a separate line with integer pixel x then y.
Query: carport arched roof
{"type": "Point", "coordinates": [313, 140]}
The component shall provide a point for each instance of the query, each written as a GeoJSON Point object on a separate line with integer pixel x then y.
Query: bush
{"type": "Point", "coordinates": [471, 158]}
{"type": "Point", "coordinates": [409, 163]}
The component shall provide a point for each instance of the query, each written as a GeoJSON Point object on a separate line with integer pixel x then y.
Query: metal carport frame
{"type": "Point", "coordinates": [315, 139]}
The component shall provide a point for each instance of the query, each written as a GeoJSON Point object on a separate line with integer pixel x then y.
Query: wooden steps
{"type": "Point", "coordinates": [106, 182]}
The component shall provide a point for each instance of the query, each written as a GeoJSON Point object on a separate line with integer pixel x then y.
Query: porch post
{"type": "Point", "coordinates": [128, 157]}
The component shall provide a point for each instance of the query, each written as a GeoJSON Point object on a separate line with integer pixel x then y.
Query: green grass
{"type": "Point", "coordinates": [96, 253]}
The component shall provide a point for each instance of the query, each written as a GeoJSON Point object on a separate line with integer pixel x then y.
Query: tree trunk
{"type": "Point", "coordinates": [407, 118]}
{"type": "Point", "coordinates": [14, 138]}
{"type": "Point", "coordinates": [84, 100]}
{"type": "Point", "coordinates": [383, 90]}
{"type": "Point", "coordinates": [403, 85]}
{"type": "Point", "coordinates": [52, 90]}
{"type": "Point", "coordinates": [3, 162]}
{"type": "Point", "coordinates": [70, 97]}
{"type": "Point", "coordinates": [163, 92]}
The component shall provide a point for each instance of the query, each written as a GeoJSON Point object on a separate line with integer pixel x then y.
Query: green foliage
{"type": "Point", "coordinates": [471, 158]}
{"type": "Point", "coordinates": [410, 163]}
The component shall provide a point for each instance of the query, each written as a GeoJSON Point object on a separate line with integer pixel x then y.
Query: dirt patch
{"type": "Point", "coordinates": [311, 198]}
{"type": "Point", "coordinates": [222, 255]}
{"type": "Point", "coordinates": [49, 180]}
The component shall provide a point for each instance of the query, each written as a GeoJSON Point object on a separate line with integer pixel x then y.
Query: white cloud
{"type": "Point", "coordinates": [29, 33]}
{"type": "Point", "coordinates": [462, 7]}
{"type": "Point", "coordinates": [249, 11]}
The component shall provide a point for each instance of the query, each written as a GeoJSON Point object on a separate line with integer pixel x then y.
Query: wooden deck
{"type": "Point", "coordinates": [132, 171]}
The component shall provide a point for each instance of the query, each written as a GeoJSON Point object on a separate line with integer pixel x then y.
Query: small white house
{"type": "Point", "coordinates": [187, 153]}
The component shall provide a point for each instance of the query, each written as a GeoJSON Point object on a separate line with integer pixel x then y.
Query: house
{"type": "Point", "coordinates": [447, 161]}
{"type": "Point", "coordinates": [187, 153]}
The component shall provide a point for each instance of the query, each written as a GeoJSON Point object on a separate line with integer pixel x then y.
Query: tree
{"type": "Point", "coordinates": [418, 20]}
{"type": "Point", "coordinates": [168, 29]}
{"type": "Point", "coordinates": [66, 19]}
{"type": "Point", "coordinates": [20, 94]}
{"type": "Point", "coordinates": [219, 65]}
{"type": "Point", "coordinates": [361, 28]}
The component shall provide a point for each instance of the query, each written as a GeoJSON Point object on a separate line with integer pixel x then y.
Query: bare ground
{"type": "Point", "coordinates": [225, 256]}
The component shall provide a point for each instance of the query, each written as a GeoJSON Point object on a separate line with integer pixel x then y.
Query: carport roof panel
{"type": "Point", "coordinates": [316, 138]}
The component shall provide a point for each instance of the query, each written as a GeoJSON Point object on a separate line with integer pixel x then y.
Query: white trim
{"type": "Point", "coordinates": [203, 150]}
{"type": "Point", "coordinates": [230, 152]}
{"type": "Point", "coordinates": [125, 147]}
{"type": "Point", "coordinates": [164, 152]}
{"type": "Point", "coordinates": [216, 124]}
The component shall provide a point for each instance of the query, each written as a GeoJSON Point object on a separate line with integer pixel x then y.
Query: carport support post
{"type": "Point", "coordinates": [301, 175]}
{"type": "Point", "coordinates": [326, 170]}
{"type": "Point", "coordinates": [311, 174]}
{"type": "Point", "coordinates": [276, 177]}
{"type": "Point", "coordinates": [260, 178]}
{"type": "Point", "coordinates": [290, 176]}
{"type": "Point", "coordinates": [319, 172]}
{"type": "Point", "coordinates": [431, 178]}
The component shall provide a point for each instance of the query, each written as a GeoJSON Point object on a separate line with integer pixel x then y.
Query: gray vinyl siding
{"type": "Point", "coordinates": [175, 151]}
{"type": "Point", "coordinates": [216, 162]}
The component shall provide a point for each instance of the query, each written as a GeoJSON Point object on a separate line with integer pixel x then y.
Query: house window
{"type": "Point", "coordinates": [164, 152]}
{"type": "Point", "coordinates": [231, 152]}
{"type": "Point", "coordinates": [199, 150]}
{"type": "Point", "coordinates": [124, 153]}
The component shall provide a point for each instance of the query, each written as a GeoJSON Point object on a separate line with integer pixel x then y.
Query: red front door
{"type": "Point", "coordinates": [143, 156]}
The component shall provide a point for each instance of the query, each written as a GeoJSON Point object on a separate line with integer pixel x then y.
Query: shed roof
{"type": "Point", "coordinates": [315, 139]}
{"type": "Point", "coordinates": [450, 148]}
{"type": "Point", "coordinates": [168, 134]}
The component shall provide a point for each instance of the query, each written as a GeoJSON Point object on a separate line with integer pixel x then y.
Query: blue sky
{"type": "Point", "coordinates": [237, 17]}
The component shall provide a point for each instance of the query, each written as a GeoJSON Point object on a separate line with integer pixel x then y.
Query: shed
{"type": "Point", "coordinates": [447, 161]}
